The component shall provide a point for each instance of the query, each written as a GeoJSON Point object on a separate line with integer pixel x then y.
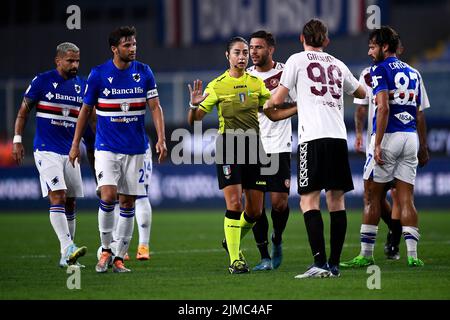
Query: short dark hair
{"type": "Point", "coordinates": [119, 33]}
{"type": "Point", "coordinates": [315, 33]}
{"type": "Point", "coordinates": [385, 35]}
{"type": "Point", "coordinates": [233, 41]}
{"type": "Point", "coordinates": [262, 34]}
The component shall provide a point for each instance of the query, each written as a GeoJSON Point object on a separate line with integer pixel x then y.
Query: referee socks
{"type": "Point", "coordinates": [232, 229]}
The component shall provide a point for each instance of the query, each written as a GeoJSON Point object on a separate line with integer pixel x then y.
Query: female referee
{"type": "Point", "coordinates": [238, 96]}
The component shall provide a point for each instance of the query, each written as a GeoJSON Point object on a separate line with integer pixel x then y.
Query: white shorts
{"type": "Point", "coordinates": [148, 166]}
{"type": "Point", "coordinates": [122, 170]}
{"type": "Point", "coordinates": [399, 152]}
{"type": "Point", "coordinates": [57, 173]}
{"type": "Point", "coordinates": [370, 162]}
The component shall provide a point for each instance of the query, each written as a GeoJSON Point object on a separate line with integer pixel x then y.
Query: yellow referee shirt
{"type": "Point", "coordinates": [237, 101]}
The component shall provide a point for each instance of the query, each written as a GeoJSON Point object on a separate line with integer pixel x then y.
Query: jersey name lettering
{"type": "Point", "coordinates": [127, 91]}
{"type": "Point", "coordinates": [313, 56]}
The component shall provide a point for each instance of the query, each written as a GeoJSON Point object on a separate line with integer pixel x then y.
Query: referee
{"type": "Point", "coordinates": [237, 96]}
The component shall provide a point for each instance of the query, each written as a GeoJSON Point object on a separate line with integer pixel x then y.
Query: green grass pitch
{"type": "Point", "coordinates": [188, 262]}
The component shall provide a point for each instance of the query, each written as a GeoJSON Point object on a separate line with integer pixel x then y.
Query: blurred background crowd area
{"type": "Point", "coordinates": [183, 40]}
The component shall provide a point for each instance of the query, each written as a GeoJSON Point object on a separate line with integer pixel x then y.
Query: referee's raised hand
{"type": "Point", "coordinates": [196, 92]}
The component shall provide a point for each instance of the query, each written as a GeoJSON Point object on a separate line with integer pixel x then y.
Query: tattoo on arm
{"type": "Point", "coordinates": [28, 103]}
{"type": "Point", "coordinates": [22, 115]}
{"type": "Point", "coordinates": [153, 105]}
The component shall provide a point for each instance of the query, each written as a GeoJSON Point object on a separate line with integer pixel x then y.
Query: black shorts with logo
{"type": "Point", "coordinates": [323, 164]}
{"type": "Point", "coordinates": [241, 164]}
{"type": "Point", "coordinates": [281, 180]}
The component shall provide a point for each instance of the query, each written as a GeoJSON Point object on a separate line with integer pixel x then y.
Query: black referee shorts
{"type": "Point", "coordinates": [239, 163]}
{"type": "Point", "coordinates": [248, 175]}
{"type": "Point", "coordinates": [323, 164]}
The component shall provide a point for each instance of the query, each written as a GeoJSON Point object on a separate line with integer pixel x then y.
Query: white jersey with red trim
{"type": "Point", "coordinates": [120, 97]}
{"type": "Point", "coordinates": [276, 136]}
{"type": "Point", "coordinates": [320, 81]}
{"type": "Point", "coordinates": [366, 81]}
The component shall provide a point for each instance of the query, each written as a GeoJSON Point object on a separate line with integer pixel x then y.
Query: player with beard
{"type": "Point", "coordinates": [57, 96]}
{"type": "Point", "coordinates": [365, 110]}
{"type": "Point", "coordinates": [120, 89]}
{"type": "Point", "coordinates": [393, 151]}
{"type": "Point", "coordinates": [320, 80]}
{"type": "Point", "coordinates": [276, 137]}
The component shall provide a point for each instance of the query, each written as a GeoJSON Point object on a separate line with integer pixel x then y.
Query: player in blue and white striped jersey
{"type": "Point", "coordinates": [393, 151]}
{"type": "Point", "coordinates": [57, 96]}
{"type": "Point", "coordinates": [120, 89]}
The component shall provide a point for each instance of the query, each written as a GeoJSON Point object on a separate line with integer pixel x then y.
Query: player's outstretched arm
{"type": "Point", "coordinates": [276, 108]}
{"type": "Point", "coordinates": [83, 118]}
{"type": "Point", "coordinates": [280, 112]}
{"type": "Point", "coordinates": [360, 93]}
{"type": "Point", "coordinates": [158, 121]}
{"type": "Point", "coordinates": [22, 116]}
